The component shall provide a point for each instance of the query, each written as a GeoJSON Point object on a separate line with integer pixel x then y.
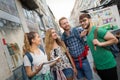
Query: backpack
{"type": "Point", "coordinates": [113, 48]}
{"type": "Point", "coordinates": [24, 74]}
{"type": "Point", "coordinates": [41, 48]}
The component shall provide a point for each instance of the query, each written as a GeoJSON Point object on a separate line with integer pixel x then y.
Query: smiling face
{"type": "Point", "coordinates": [85, 20]}
{"type": "Point", "coordinates": [85, 23]}
{"type": "Point", "coordinates": [54, 34]}
{"type": "Point", "coordinates": [36, 40]}
{"type": "Point", "coordinates": [64, 24]}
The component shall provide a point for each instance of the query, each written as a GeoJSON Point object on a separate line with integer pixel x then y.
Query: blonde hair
{"type": "Point", "coordinates": [28, 41]}
{"type": "Point", "coordinates": [49, 42]}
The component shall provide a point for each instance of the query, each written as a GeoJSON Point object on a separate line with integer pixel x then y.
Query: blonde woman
{"type": "Point", "coordinates": [56, 48]}
{"type": "Point", "coordinates": [36, 71]}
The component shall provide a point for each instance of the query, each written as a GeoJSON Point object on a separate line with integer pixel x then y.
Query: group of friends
{"type": "Point", "coordinates": [68, 53]}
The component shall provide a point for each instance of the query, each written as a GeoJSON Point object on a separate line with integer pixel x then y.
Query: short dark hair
{"type": "Point", "coordinates": [85, 15]}
{"type": "Point", "coordinates": [61, 20]}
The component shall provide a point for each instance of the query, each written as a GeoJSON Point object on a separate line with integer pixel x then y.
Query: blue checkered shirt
{"type": "Point", "coordinates": [75, 45]}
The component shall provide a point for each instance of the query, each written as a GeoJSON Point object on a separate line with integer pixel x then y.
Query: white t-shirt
{"type": "Point", "coordinates": [38, 59]}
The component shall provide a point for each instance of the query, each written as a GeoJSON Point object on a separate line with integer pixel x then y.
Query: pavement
{"type": "Point", "coordinates": [90, 59]}
{"type": "Point", "coordinates": [96, 77]}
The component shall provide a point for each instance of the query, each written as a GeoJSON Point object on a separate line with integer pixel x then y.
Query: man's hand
{"type": "Point", "coordinates": [96, 42]}
{"type": "Point", "coordinates": [83, 33]}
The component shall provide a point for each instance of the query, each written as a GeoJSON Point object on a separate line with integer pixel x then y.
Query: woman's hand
{"type": "Point", "coordinates": [58, 59]}
{"type": "Point", "coordinates": [38, 68]}
{"type": "Point", "coordinates": [75, 71]}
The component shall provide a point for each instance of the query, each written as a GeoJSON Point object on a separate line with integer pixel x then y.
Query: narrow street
{"type": "Point", "coordinates": [18, 17]}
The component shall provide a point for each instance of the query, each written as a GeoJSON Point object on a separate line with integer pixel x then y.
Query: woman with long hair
{"type": "Point", "coordinates": [54, 47]}
{"type": "Point", "coordinates": [37, 70]}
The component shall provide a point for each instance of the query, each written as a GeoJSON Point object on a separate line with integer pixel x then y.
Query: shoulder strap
{"type": "Point", "coordinates": [42, 49]}
{"type": "Point", "coordinates": [24, 75]}
{"type": "Point", "coordinates": [95, 33]}
{"type": "Point", "coordinates": [29, 57]}
{"type": "Point", "coordinates": [95, 36]}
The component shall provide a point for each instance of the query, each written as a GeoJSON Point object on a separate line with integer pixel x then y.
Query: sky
{"type": "Point", "coordinates": [61, 8]}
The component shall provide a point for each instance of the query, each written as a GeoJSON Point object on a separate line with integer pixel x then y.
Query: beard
{"type": "Point", "coordinates": [88, 26]}
{"type": "Point", "coordinates": [67, 29]}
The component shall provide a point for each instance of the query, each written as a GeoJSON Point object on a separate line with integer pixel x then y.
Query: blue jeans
{"type": "Point", "coordinates": [85, 71]}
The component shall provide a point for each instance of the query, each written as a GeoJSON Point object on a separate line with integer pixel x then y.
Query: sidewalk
{"type": "Point", "coordinates": [118, 66]}
{"type": "Point", "coordinates": [90, 59]}
{"type": "Point", "coordinates": [91, 64]}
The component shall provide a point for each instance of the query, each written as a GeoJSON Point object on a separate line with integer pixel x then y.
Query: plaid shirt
{"type": "Point", "coordinates": [75, 44]}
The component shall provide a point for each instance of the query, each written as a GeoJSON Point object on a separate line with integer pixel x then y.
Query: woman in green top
{"type": "Point", "coordinates": [103, 59]}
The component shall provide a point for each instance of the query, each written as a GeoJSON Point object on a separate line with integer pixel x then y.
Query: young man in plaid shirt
{"type": "Point", "coordinates": [77, 48]}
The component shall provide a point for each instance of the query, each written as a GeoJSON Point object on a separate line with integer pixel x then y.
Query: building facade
{"type": "Point", "coordinates": [15, 20]}
{"type": "Point", "coordinates": [81, 5]}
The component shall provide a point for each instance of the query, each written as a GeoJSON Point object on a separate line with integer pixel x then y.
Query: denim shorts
{"type": "Point", "coordinates": [68, 72]}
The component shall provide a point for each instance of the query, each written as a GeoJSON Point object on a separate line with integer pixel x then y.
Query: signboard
{"type": "Point", "coordinates": [107, 18]}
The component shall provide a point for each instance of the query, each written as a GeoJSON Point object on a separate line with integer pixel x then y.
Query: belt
{"type": "Point", "coordinates": [82, 56]}
{"type": "Point", "coordinates": [76, 59]}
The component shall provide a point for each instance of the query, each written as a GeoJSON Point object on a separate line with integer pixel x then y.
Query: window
{"type": "Point", "coordinates": [9, 7]}
{"type": "Point", "coordinates": [29, 15]}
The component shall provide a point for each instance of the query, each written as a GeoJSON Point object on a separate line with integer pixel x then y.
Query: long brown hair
{"type": "Point", "coordinates": [28, 41]}
{"type": "Point", "coordinates": [49, 43]}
